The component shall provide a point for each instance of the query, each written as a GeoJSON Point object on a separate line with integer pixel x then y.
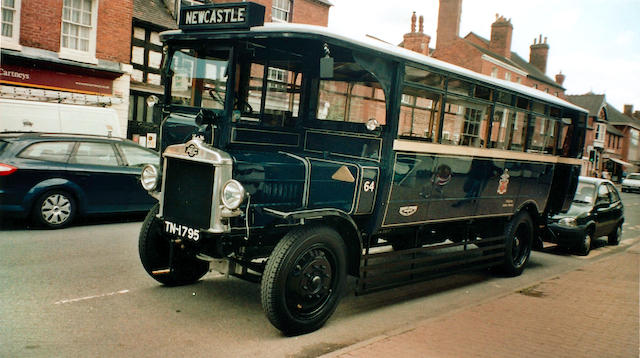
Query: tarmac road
{"type": "Point", "coordinates": [81, 291]}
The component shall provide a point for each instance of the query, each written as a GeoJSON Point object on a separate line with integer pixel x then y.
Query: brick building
{"type": "Point", "coordinates": [611, 141]}
{"type": "Point", "coordinates": [493, 57]}
{"type": "Point", "coordinates": [67, 52]}
{"type": "Point", "coordinates": [150, 17]}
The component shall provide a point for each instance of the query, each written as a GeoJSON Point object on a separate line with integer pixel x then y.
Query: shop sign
{"type": "Point", "coordinates": [55, 80]}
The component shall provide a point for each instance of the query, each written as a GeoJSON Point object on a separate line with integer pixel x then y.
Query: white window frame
{"type": "Point", "coordinates": [601, 129]}
{"type": "Point", "coordinates": [77, 55]}
{"type": "Point", "coordinates": [507, 76]}
{"type": "Point", "coordinates": [13, 42]}
{"type": "Point", "coordinates": [286, 11]}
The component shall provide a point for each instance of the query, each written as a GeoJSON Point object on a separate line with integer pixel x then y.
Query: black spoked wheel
{"type": "Point", "coordinates": [304, 279]}
{"type": "Point", "coordinates": [616, 235]}
{"type": "Point", "coordinates": [518, 242]}
{"type": "Point", "coordinates": [55, 209]}
{"type": "Point", "coordinates": [584, 247]}
{"type": "Point", "coordinates": [155, 250]}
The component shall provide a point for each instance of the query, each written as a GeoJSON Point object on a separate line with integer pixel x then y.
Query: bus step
{"type": "Point", "coordinates": [383, 270]}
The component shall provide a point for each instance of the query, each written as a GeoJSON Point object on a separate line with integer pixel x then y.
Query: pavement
{"type": "Point", "coordinates": [590, 312]}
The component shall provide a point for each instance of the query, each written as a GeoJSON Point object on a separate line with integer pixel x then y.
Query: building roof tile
{"type": "Point", "coordinates": [515, 61]}
{"type": "Point", "coordinates": [590, 101]}
{"type": "Point", "coordinates": [154, 12]}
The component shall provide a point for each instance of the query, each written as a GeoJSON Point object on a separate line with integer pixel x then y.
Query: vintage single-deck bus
{"type": "Point", "coordinates": [295, 156]}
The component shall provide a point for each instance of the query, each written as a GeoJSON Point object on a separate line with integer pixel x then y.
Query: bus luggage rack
{"type": "Point", "coordinates": [389, 269]}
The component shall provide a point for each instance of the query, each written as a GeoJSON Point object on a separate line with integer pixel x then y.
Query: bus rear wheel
{"type": "Point", "coordinates": [518, 243]}
{"type": "Point", "coordinates": [304, 279]}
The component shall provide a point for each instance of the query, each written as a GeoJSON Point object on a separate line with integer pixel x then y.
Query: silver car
{"type": "Point", "coordinates": [631, 182]}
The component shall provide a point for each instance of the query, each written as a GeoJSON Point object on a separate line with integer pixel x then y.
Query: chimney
{"type": "Point", "coordinates": [628, 109]}
{"type": "Point", "coordinates": [560, 78]}
{"type": "Point", "coordinates": [501, 31]}
{"type": "Point", "coordinates": [417, 41]}
{"type": "Point", "coordinates": [539, 53]}
{"type": "Point", "coordinates": [448, 22]}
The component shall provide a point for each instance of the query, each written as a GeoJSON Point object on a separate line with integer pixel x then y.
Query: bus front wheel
{"type": "Point", "coordinates": [154, 249]}
{"type": "Point", "coordinates": [304, 279]}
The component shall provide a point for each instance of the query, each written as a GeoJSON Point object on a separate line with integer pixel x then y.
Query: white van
{"type": "Point", "coordinates": [31, 116]}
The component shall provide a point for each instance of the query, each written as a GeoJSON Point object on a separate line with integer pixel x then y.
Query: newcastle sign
{"type": "Point", "coordinates": [222, 16]}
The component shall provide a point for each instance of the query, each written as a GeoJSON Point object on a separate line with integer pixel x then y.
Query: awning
{"type": "Point", "coordinates": [621, 162]}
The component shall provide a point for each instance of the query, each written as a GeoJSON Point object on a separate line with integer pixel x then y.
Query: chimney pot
{"type": "Point", "coordinates": [413, 22]}
{"type": "Point", "coordinates": [421, 22]}
{"type": "Point", "coordinates": [628, 109]}
{"type": "Point", "coordinates": [560, 78]}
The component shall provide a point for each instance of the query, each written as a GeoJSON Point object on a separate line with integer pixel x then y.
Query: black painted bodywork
{"type": "Point", "coordinates": [343, 168]}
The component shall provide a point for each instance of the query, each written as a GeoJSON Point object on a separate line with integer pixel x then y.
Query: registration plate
{"type": "Point", "coordinates": [181, 231]}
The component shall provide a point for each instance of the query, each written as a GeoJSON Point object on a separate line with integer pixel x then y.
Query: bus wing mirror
{"type": "Point", "coordinates": [326, 67]}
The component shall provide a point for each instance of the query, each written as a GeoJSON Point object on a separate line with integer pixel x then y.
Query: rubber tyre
{"type": "Point", "coordinates": [154, 249]}
{"type": "Point", "coordinates": [615, 236]}
{"type": "Point", "coordinates": [518, 243]}
{"type": "Point", "coordinates": [297, 262]}
{"type": "Point", "coordinates": [54, 209]}
{"type": "Point", "coordinates": [584, 247]}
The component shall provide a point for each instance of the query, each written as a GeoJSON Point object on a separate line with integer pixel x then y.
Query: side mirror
{"type": "Point", "coordinates": [326, 67]}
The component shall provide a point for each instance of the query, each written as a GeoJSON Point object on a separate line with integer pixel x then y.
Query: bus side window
{"type": "Point", "coordinates": [419, 114]}
{"type": "Point", "coordinates": [355, 102]}
{"type": "Point", "coordinates": [544, 135]}
{"type": "Point", "coordinates": [465, 122]}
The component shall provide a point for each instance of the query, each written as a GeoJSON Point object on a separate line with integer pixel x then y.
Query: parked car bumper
{"type": "Point", "coordinates": [566, 235]}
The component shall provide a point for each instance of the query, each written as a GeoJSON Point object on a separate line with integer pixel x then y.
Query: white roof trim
{"type": "Point", "coordinates": [500, 63]}
{"type": "Point", "coordinates": [393, 50]}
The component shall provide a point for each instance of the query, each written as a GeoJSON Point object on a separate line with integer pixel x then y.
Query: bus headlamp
{"type": "Point", "coordinates": [233, 194]}
{"type": "Point", "coordinates": [149, 177]}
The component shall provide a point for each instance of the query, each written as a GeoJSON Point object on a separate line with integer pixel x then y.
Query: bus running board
{"type": "Point", "coordinates": [383, 270]}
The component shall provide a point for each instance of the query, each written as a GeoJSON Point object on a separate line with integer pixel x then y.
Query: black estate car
{"type": "Point", "coordinates": [597, 210]}
{"type": "Point", "coordinates": [52, 178]}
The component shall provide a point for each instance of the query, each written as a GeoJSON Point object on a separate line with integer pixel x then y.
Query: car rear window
{"type": "Point", "coordinates": [94, 153]}
{"type": "Point", "coordinates": [50, 151]}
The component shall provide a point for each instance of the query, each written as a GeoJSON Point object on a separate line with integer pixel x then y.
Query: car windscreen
{"type": "Point", "coordinates": [3, 144]}
{"type": "Point", "coordinates": [631, 176]}
{"type": "Point", "coordinates": [585, 193]}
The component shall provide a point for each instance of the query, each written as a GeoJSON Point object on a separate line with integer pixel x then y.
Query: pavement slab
{"type": "Point", "coordinates": [590, 312]}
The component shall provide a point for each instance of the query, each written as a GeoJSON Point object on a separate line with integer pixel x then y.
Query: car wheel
{"type": "Point", "coordinates": [616, 235]}
{"type": "Point", "coordinates": [155, 254]}
{"type": "Point", "coordinates": [304, 279]}
{"type": "Point", "coordinates": [55, 209]}
{"type": "Point", "coordinates": [584, 247]}
{"type": "Point", "coordinates": [518, 242]}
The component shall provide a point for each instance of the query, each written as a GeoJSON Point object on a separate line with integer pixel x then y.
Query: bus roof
{"type": "Point", "coordinates": [399, 52]}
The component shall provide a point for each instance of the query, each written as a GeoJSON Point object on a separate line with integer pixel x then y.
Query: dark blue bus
{"type": "Point", "coordinates": [309, 156]}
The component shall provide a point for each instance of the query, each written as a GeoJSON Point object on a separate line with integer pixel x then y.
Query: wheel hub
{"type": "Point", "coordinates": [310, 281]}
{"type": "Point", "coordinates": [56, 209]}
